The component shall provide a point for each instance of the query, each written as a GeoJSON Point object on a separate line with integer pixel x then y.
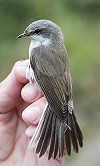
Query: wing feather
{"type": "Point", "coordinates": [51, 73]}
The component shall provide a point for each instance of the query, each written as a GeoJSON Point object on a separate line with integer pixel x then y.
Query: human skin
{"type": "Point", "coordinates": [21, 105]}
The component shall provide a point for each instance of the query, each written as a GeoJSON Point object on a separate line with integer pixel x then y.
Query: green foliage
{"type": "Point", "coordinates": [86, 6]}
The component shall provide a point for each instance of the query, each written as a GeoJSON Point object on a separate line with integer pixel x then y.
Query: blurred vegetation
{"type": "Point", "coordinates": [80, 23]}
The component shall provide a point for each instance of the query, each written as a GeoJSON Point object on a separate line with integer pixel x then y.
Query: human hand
{"type": "Point", "coordinates": [21, 105]}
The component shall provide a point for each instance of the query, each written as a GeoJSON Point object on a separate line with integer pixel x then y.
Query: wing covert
{"type": "Point", "coordinates": [53, 81]}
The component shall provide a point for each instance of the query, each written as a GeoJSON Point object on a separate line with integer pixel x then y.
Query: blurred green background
{"type": "Point", "coordinates": [80, 24]}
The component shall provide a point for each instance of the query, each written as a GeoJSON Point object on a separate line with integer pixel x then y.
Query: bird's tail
{"type": "Point", "coordinates": [56, 135]}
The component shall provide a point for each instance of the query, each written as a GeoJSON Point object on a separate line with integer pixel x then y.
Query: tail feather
{"type": "Point", "coordinates": [57, 134]}
{"type": "Point", "coordinates": [46, 139]}
{"type": "Point", "coordinates": [79, 133]}
{"type": "Point", "coordinates": [39, 129]}
{"type": "Point", "coordinates": [43, 132]}
{"type": "Point", "coordinates": [61, 139]}
{"type": "Point", "coordinates": [56, 139]}
{"type": "Point", "coordinates": [73, 134]}
{"type": "Point", "coordinates": [52, 142]}
{"type": "Point", "coordinates": [68, 141]}
{"type": "Point", "coordinates": [79, 136]}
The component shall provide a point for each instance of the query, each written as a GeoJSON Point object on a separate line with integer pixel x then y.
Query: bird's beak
{"type": "Point", "coordinates": [22, 35]}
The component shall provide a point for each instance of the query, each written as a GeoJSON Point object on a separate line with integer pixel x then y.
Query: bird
{"type": "Point", "coordinates": [58, 130]}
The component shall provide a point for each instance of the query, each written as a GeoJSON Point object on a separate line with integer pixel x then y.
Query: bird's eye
{"type": "Point", "coordinates": [31, 33]}
{"type": "Point", "coordinates": [37, 31]}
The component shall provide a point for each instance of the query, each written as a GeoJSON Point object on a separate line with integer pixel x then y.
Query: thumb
{"type": "Point", "coordinates": [10, 89]}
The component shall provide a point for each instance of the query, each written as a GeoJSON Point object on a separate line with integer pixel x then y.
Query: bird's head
{"type": "Point", "coordinates": [42, 30]}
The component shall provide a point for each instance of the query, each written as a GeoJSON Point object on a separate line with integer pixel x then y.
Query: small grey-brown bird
{"type": "Point", "coordinates": [58, 128]}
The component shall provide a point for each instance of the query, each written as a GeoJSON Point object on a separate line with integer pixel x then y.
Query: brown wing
{"type": "Point", "coordinates": [53, 77]}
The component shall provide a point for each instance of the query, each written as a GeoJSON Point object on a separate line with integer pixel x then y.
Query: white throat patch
{"type": "Point", "coordinates": [39, 40]}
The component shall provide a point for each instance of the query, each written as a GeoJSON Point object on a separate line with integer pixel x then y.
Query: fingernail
{"type": "Point", "coordinates": [30, 92]}
{"type": "Point", "coordinates": [32, 114]}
